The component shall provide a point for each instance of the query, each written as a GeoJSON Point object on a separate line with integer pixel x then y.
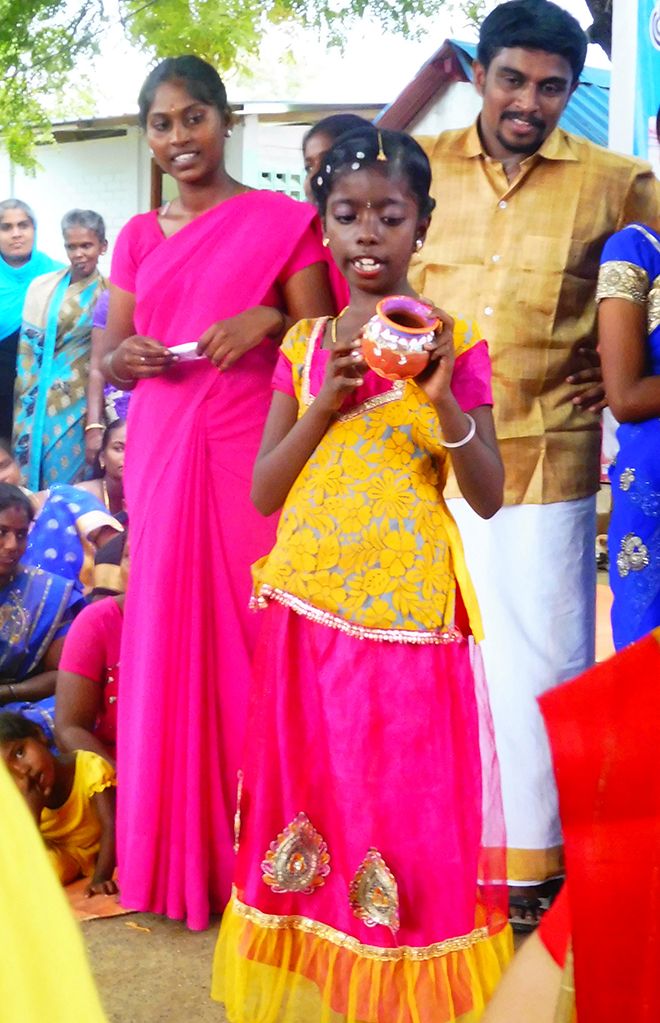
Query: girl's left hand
{"type": "Point", "coordinates": [225, 341]}
{"type": "Point", "coordinates": [435, 380]}
{"type": "Point", "coordinates": [108, 887]}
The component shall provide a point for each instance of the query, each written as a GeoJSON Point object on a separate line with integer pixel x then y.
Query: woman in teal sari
{"type": "Point", "coordinates": [20, 263]}
{"type": "Point", "coordinates": [53, 359]}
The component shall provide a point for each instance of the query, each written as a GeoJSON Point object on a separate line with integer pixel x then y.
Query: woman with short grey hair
{"type": "Point", "coordinates": [54, 356]}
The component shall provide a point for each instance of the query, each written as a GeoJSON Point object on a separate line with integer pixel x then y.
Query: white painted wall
{"type": "Point", "coordinates": [457, 107]}
{"type": "Point", "coordinates": [111, 176]}
{"type": "Point", "coordinates": [623, 76]}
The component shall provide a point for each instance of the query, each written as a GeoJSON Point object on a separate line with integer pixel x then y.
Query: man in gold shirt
{"type": "Point", "coordinates": [523, 210]}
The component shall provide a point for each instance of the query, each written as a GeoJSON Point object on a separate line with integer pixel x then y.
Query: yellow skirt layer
{"type": "Point", "coordinates": [293, 970]}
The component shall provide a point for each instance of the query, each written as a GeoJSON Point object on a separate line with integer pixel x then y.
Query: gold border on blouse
{"type": "Point", "coordinates": [347, 941]}
{"type": "Point", "coordinates": [654, 306]}
{"type": "Point", "coordinates": [450, 634]}
{"type": "Point", "coordinates": [306, 396]}
{"type": "Point", "coordinates": [620, 279]}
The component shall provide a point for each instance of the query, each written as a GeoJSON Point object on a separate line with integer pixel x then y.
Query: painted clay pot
{"type": "Point", "coordinates": [394, 338]}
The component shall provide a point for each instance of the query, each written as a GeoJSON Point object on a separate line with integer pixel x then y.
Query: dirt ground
{"type": "Point", "coordinates": [157, 976]}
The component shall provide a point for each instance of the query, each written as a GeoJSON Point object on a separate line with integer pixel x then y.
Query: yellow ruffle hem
{"type": "Point", "coordinates": [270, 969]}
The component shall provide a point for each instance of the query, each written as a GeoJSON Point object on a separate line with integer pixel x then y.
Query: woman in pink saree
{"type": "Point", "coordinates": [227, 268]}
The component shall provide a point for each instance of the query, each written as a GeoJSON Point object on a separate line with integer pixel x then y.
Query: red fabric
{"type": "Point", "coordinates": [604, 730]}
{"type": "Point", "coordinates": [555, 928]}
{"type": "Point", "coordinates": [91, 649]}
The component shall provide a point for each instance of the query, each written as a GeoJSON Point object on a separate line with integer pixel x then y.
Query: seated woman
{"type": "Point", "coordinates": [70, 525]}
{"type": "Point", "coordinates": [88, 677]}
{"type": "Point", "coordinates": [107, 484]}
{"type": "Point", "coordinates": [36, 610]}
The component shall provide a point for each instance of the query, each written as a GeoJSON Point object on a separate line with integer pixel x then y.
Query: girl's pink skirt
{"type": "Point", "coordinates": [370, 834]}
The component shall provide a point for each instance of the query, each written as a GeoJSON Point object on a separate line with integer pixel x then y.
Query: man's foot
{"type": "Point", "coordinates": [528, 903]}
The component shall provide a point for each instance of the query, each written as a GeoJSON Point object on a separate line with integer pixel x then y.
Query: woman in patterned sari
{"type": "Point", "coordinates": [36, 610]}
{"type": "Point", "coordinates": [53, 358]}
{"type": "Point", "coordinates": [629, 329]}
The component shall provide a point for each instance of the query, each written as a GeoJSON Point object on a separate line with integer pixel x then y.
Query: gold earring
{"type": "Point", "coordinates": [418, 244]}
{"type": "Point", "coordinates": [326, 242]}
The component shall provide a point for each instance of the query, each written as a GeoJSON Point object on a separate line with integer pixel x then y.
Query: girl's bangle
{"type": "Point", "coordinates": [466, 439]}
{"type": "Point", "coordinates": [121, 380]}
{"type": "Point", "coordinates": [94, 426]}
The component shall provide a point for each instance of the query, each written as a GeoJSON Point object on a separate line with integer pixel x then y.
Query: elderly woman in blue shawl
{"type": "Point", "coordinates": [20, 263]}
{"type": "Point", "coordinates": [36, 610]}
{"type": "Point", "coordinates": [54, 358]}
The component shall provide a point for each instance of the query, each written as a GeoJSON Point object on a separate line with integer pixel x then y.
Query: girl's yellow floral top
{"type": "Point", "coordinates": [365, 540]}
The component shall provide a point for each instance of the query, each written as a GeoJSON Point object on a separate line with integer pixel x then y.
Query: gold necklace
{"type": "Point", "coordinates": [106, 498]}
{"type": "Point", "coordinates": [333, 326]}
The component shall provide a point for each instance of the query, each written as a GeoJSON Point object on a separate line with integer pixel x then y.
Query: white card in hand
{"type": "Point", "coordinates": [186, 351]}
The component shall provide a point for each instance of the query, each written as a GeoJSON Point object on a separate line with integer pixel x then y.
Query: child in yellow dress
{"type": "Point", "coordinates": [72, 799]}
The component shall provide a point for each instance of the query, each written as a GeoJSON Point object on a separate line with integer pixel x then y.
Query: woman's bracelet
{"type": "Point", "coordinates": [94, 426]}
{"type": "Point", "coordinates": [121, 380]}
{"type": "Point", "coordinates": [466, 439]}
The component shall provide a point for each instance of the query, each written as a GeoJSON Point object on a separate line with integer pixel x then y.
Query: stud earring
{"type": "Point", "coordinates": [326, 242]}
{"type": "Point", "coordinates": [228, 133]}
{"type": "Point", "coordinates": [418, 244]}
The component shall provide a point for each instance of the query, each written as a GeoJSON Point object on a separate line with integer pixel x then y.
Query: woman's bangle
{"type": "Point", "coordinates": [466, 439]}
{"type": "Point", "coordinates": [121, 380]}
{"type": "Point", "coordinates": [94, 426]}
{"type": "Point", "coordinates": [10, 687]}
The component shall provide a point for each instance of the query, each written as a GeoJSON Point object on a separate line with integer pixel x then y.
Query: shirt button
{"type": "Point", "coordinates": [488, 311]}
{"type": "Point", "coordinates": [503, 204]}
{"type": "Point", "coordinates": [495, 258]}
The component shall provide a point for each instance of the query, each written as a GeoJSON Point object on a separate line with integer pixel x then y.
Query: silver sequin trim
{"type": "Point", "coordinates": [633, 555]}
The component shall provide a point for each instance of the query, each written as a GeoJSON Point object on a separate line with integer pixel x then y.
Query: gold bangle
{"type": "Point", "coordinates": [94, 426]}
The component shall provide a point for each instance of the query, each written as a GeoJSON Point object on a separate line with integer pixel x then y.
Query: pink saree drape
{"type": "Point", "coordinates": [188, 636]}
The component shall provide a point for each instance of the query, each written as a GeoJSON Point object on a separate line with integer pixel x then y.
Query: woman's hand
{"type": "Point", "coordinates": [139, 358]}
{"type": "Point", "coordinates": [435, 380]}
{"type": "Point", "coordinates": [343, 374]}
{"type": "Point", "coordinates": [587, 375]}
{"type": "Point", "coordinates": [225, 341]}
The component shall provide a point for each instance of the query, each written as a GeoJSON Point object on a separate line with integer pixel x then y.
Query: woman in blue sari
{"type": "Point", "coordinates": [36, 610]}
{"type": "Point", "coordinates": [629, 331]}
{"type": "Point", "coordinates": [54, 357]}
{"type": "Point", "coordinates": [20, 263]}
{"type": "Point", "coordinates": [70, 525]}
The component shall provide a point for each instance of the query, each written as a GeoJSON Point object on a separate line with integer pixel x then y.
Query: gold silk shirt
{"type": "Point", "coordinates": [522, 259]}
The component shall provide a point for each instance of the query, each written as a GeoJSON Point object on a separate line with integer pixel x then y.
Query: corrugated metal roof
{"type": "Point", "coordinates": [587, 113]}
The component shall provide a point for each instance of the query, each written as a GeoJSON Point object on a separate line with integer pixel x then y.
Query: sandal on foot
{"type": "Point", "coordinates": [525, 912]}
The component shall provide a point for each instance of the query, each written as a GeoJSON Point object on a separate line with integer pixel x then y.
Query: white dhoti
{"type": "Point", "coordinates": [534, 570]}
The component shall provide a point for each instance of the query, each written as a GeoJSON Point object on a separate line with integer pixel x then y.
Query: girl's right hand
{"type": "Point", "coordinates": [343, 374]}
{"type": "Point", "coordinates": [139, 358]}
